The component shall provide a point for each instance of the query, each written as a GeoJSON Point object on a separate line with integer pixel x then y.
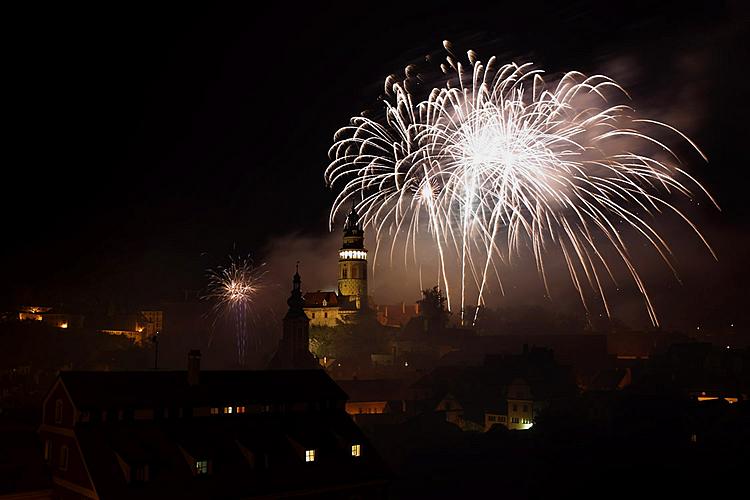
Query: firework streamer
{"type": "Point", "coordinates": [233, 290]}
{"type": "Point", "coordinates": [495, 162]}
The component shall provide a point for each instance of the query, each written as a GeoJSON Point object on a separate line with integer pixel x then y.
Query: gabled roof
{"type": "Point", "coordinates": [161, 389]}
{"type": "Point", "coordinates": [315, 299]}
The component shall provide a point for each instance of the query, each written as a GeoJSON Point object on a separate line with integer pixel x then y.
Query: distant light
{"type": "Point", "coordinates": [406, 363]}
{"type": "Point", "coordinates": [356, 451]}
{"type": "Point", "coordinates": [727, 347]}
{"type": "Point", "coordinates": [309, 455]}
{"type": "Point", "coordinates": [64, 325]}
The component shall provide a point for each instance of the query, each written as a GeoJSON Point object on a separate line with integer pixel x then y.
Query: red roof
{"type": "Point", "coordinates": [315, 299]}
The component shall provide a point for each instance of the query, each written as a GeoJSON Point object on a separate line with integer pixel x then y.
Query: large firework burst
{"type": "Point", "coordinates": [233, 290]}
{"type": "Point", "coordinates": [496, 162]}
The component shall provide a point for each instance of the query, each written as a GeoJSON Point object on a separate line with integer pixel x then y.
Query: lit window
{"type": "Point", "coordinates": [356, 451]}
{"type": "Point", "coordinates": [240, 409]}
{"type": "Point", "coordinates": [58, 411]}
{"type": "Point", "coordinates": [63, 457]}
{"type": "Point", "coordinates": [201, 467]}
{"type": "Point", "coordinates": [227, 410]}
{"type": "Point", "coordinates": [214, 411]}
{"type": "Point", "coordinates": [309, 455]}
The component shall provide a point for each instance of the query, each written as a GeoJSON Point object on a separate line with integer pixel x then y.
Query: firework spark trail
{"type": "Point", "coordinates": [233, 290]}
{"type": "Point", "coordinates": [496, 162]}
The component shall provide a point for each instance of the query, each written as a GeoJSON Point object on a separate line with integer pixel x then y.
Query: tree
{"type": "Point", "coordinates": [432, 308]}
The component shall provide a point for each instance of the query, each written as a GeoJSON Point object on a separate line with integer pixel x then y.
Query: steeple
{"type": "Point", "coordinates": [295, 301]}
{"type": "Point", "coordinates": [294, 346]}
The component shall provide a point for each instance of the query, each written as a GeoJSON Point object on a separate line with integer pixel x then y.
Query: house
{"type": "Point", "coordinates": [374, 396]}
{"type": "Point", "coordinates": [210, 434]}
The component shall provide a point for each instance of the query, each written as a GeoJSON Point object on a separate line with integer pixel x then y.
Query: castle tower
{"type": "Point", "coordinates": [352, 280]}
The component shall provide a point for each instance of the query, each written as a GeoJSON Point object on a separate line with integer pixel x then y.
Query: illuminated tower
{"type": "Point", "coordinates": [353, 262]}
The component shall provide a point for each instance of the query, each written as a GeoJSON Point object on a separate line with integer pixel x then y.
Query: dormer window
{"type": "Point", "coordinates": [325, 302]}
{"type": "Point", "coordinates": [309, 455]}
{"type": "Point", "coordinates": [356, 450]}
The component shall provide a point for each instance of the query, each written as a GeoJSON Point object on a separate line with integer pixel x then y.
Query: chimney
{"type": "Point", "coordinates": [194, 367]}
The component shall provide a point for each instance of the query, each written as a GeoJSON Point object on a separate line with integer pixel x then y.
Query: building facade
{"type": "Point", "coordinates": [331, 308]}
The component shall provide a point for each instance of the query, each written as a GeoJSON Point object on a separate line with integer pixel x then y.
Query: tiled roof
{"type": "Point", "coordinates": [315, 299]}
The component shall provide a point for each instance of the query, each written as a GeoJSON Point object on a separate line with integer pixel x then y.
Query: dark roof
{"type": "Point", "coordinates": [281, 440]}
{"type": "Point", "coordinates": [158, 389]}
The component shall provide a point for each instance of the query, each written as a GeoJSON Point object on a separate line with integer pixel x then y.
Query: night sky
{"type": "Point", "coordinates": [143, 146]}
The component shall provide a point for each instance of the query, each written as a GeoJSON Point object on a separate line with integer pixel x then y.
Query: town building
{"type": "Point", "coordinates": [330, 308]}
{"type": "Point", "coordinates": [205, 434]}
{"type": "Point", "coordinates": [294, 347]}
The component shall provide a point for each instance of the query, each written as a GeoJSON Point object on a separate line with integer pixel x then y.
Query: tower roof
{"type": "Point", "coordinates": [352, 226]}
{"type": "Point", "coordinates": [295, 301]}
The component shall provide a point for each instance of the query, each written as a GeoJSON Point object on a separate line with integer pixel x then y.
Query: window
{"type": "Point", "coordinates": [140, 473]}
{"type": "Point", "coordinates": [201, 467]}
{"type": "Point", "coordinates": [227, 410]}
{"type": "Point", "coordinates": [492, 418]}
{"type": "Point", "coordinates": [514, 420]}
{"type": "Point", "coordinates": [58, 411]}
{"type": "Point", "coordinates": [356, 450]}
{"type": "Point", "coordinates": [309, 455]}
{"type": "Point", "coordinates": [313, 315]}
{"type": "Point", "coordinates": [240, 409]}
{"type": "Point", "coordinates": [325, 315]}
{"type": "Point", "coordinates": [515, 407]}
{"type": "Point", "coordinates": [47, 450]}
{"type": "Point", "coordinates": [343, 273]}
{"type": "Point", "coordinates": [214, 411]}
{"type": "Point", "coordinates": [63, 457]}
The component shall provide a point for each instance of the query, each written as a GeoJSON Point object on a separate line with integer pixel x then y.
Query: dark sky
{"type": "Point", "coordinates": [143, 145]}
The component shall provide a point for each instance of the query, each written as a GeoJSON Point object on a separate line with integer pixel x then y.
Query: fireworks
{"type": "Point", "coordinates": [233, 290]}
{"type": "Point", "coordinates": [496, 162]}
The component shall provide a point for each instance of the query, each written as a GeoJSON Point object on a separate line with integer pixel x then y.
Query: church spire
{"type": "Point", "coordinates": [295, 301]}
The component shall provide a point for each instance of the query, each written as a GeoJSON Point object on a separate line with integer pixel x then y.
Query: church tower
{"type": "Point", "coordinates": [352, 280]}
{"type": "Point", "coordinates": [294, 346]}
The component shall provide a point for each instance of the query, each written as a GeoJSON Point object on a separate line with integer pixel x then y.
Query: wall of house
{"type": "Point", "coordinates": [58, 433]}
